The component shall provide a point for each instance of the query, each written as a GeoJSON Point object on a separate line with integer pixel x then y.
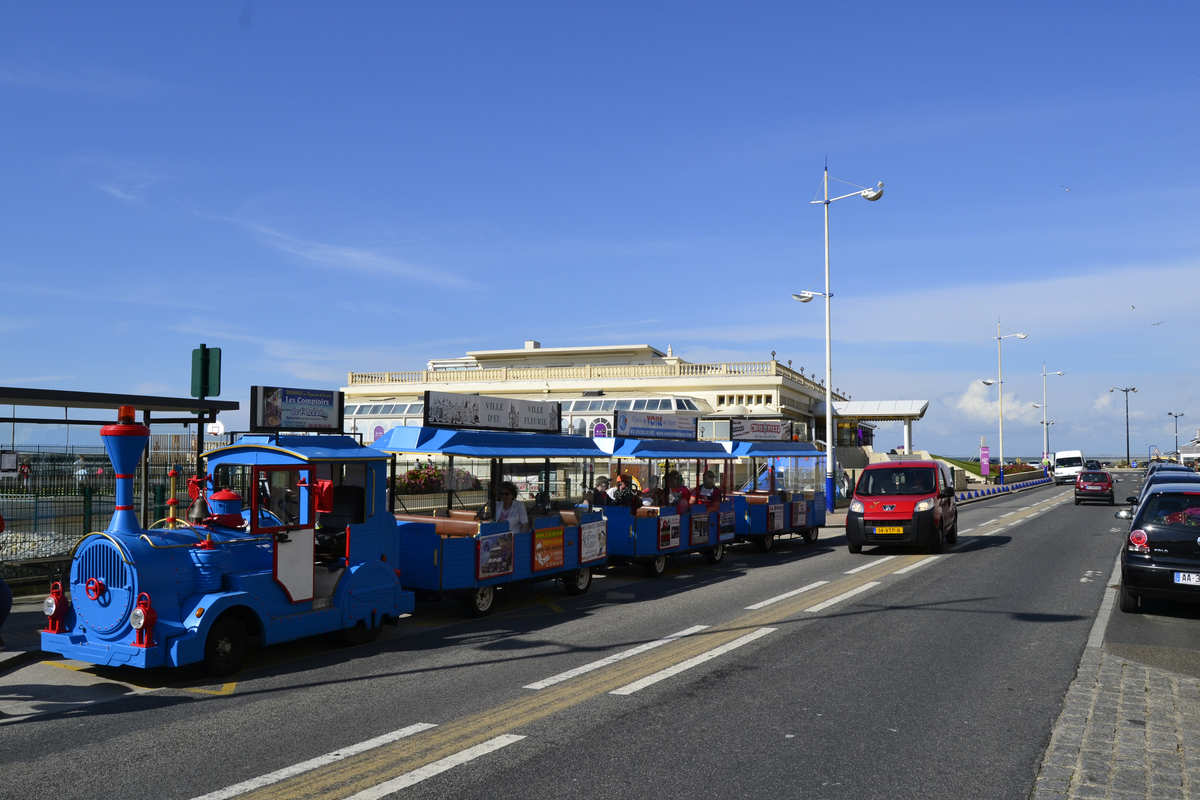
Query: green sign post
{"type": "Point", "coordinates": [206, 382]}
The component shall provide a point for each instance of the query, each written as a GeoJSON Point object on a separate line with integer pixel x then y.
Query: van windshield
{"type": "Point", "coordinates": [1068, 461]}
{"type": "Point", "coordinates": [896, 480]}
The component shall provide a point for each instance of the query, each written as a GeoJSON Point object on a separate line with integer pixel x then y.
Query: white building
{"type": "Point", "coordinates": [594, 382]}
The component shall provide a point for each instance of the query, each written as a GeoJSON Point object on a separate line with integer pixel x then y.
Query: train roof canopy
{"type": "Point", "coordinates": [302, 448]}
{"type": "Point", "coordinates": [661, 448]}
{"type": "Point", "coordinates": [772, 449]}
{"type": "Point", "coordinates": [486, 444]}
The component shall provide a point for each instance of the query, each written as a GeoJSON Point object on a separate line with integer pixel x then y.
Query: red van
{"type": "Point", "coordinates": [903, 502]}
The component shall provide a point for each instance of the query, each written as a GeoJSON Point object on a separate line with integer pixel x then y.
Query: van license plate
{"type": "Point", "coordinates": [900, 529]}
{"type": "Point", "coordinates": [1188, 578]}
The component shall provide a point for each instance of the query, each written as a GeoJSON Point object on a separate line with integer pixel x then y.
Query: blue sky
{"type": "Point", "coordinates": [325, 188]}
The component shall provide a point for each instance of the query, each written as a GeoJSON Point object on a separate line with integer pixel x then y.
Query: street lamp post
{"type": "Point", "coordinates": [1045, 433]}
{"type": "Point", "coordinates": [1000, 385]}
{"type": "Point", "coordinates": [1126, 390]}
{"type": "Point", "coordinates": [1176, 415]}
{"type": "Point", "coordinates": [806, 296]}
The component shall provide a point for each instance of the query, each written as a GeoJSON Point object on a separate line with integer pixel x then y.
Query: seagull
{"type": "Point", "coordinates": [1064, 187]}
{"type": "Point", "coordinates": [1156, 324]}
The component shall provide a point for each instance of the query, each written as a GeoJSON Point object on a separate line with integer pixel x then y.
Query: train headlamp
{"type": "Point", "coordinates": [137, 619]}
{"type": "Point", "coordinates": [49, 606]}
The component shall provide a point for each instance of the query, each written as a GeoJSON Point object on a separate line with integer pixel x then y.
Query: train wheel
{"type": "Point", "coordinates": [361, 633]}
{"type": "Point", "coordinates": [765, 543]}
{"type": "Point", "coordinates": [578, 582]}
{"type": "Point", "coordinates": [226, 646]}
{"type": "Point", "coordinates": [481, 600]}
{"type": "Point", "coordinates": [716, 555]}
{"type": "Point", "coordinates": [656, 566]}
{"type": "Point", "coordinates": [811, 535]}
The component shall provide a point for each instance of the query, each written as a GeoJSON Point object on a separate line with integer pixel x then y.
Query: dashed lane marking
{"type": "Point", "coordinates": [614, 658]}
{"type": "Point", "coordinates": [314, 763]}
{"type": "Point", "coordinates": [435, 768]}
{"type": "Point", "coordinates": [694, 661]}
{"type": "Point", "coordinates": [772, 600]}
{"type": "Point", "coordinates": [869, 564]}
{"type": "Point", "coordinates": [917, 565]}
{"type": "Point", "coordinates": [847, 595]}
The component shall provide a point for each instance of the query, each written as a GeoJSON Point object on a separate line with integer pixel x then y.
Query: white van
{"type": "Point", "coordinates": [1067, 465]}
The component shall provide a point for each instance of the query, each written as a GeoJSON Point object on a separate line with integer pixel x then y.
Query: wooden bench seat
{"type": "Point", "coordinates": [445, 526]}
{"type": "Point", "coordinates": [569, 517]}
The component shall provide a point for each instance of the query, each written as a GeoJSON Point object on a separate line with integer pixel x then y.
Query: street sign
{"type": "Point", "coordinates": [985, 460]}
{"type": "Point", "coordinates": [206, 371]}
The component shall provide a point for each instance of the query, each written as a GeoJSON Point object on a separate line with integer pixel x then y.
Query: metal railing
{"type": "Point", "coordinates": [592, 372]}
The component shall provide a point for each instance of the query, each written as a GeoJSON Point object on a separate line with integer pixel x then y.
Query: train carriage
{"type": "Point", "coordinates": [783, 494]}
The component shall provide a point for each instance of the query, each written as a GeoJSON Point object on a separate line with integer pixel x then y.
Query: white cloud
{"type": "Point", "coordinates": [978, 403]}
{"type": "Point", "coordinates": [359, 259]}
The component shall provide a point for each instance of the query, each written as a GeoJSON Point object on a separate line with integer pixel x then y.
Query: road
{"type": "Point", "coordinates": [816, 674]}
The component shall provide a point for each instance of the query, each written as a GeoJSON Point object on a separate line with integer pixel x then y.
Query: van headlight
{"type": "Point", "coordinates": [924, 505]}
{"type": "Point", "coordinates": [856, 507]}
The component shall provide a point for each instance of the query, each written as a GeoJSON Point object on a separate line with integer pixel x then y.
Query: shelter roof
{"type": "Point", "coordinates": [877, 410]}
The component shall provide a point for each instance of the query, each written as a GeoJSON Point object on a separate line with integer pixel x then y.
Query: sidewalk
{"type": "Point", "coordinates": [1126, 730]}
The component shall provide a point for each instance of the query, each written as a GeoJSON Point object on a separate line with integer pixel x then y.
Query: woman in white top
{"type": "Point", "coordinates": [508, 509]}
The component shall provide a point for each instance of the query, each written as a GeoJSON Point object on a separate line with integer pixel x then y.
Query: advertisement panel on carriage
{"type": "Point", "coordinates": [593, 541]}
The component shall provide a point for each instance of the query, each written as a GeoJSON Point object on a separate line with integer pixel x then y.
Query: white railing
{"type": "Point", "coordinates": [592, 371]}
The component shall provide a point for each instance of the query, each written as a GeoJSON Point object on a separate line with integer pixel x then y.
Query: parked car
{"type": "Point", "coordinates": [1092, 463]}
{"type": "Point", "coordinates": [1163, 477]}
{"type": "Point", "coordinates": [1094, 485]}
{"type": "Point", "coordinates": [1161, 557]}
{"type": "Point", "coordinates": [905, 502]}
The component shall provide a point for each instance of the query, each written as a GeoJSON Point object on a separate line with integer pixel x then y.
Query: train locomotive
{"type": "Point", "coordinates": [288, 537]}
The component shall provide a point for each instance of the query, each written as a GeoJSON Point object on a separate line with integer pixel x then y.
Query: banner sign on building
{"type": "Point", "coordinates": [449, 410]}
{"type": "Point", "coordinates": [771, 430]}
{"type": "Point", "coordinates": [275, 408]}
{"type": "Point", "coordinates": [985, 460]}
{"type": "Point", "coordinates": [639, 425]}
{"type": "Point", "coordinates": [593, 543]}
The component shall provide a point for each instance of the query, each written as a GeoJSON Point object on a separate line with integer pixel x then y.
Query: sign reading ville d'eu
{"type": "Point", "coordinates": [449, 410]}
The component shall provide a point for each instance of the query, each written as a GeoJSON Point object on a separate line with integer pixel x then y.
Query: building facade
{"type": "Point", "coordinates": [592, 383]}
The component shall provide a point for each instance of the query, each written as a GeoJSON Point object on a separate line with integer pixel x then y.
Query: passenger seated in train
{"type": "Point", "coordinates": [626, 494]}
{"type": "Point", "coordinates": [708, 493]}
{"type": "Point", "coordinates": [600, 495]}
{"type": "Point", "coordinates": [511, 510]}
{"type": "Point", "coordinates": [677, 494]}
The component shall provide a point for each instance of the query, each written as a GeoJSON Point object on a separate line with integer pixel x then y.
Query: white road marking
{"type": "Point", "coordinates": [435, 768]}
{"type": "Point", "coordinates": [707, 655]}
{"type": "Point", "coordinates": [990, 521]}
{"type": "Point", "coordinates": [1009, 514]}
{"type": "Point", "coordinates": [869, 565]}
{"type": "Point", "coordinates": [786, 595]}
{"type": "Point", "coordinates": [614, 658]}
{"type": "Point", "coordinates": [843, 596]}
{"type": "Point", "coordinates": [966, 530]}
{"type": "Point", "coordinates": [313, 763]}
{"type": "Point", "coordinates": [920, 563]}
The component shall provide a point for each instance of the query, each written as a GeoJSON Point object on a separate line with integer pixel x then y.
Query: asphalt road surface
{"type": "Point", "coordinates": [803, 673]}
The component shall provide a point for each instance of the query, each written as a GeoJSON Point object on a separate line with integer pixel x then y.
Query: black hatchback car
{"type": "Point", "coordinates": [1161, 557]}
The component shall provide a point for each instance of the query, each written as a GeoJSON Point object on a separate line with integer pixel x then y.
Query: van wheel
{"type": "Point", "coordinates": [656, 566]}
{"type": "Point", "coordinates": [480, 601]}
{"type": "Point", "coordinates": [715, 555]}
{"type": "Point", "coordinates": [226, 646]}
{"type": "Point", "coordinates": [952, 536]}
{"type": "Point", "coordinates": [765, 543]}
{"type": "Point", "coordinates": [577, 582]}
{"type": "Point", "coordinates": [854, 547]}
{"type": "Point", "coordinates": [939, 541]}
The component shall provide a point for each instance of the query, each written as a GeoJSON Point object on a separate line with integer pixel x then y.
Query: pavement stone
{"type": "Point", "coordinates": [1126, 730]}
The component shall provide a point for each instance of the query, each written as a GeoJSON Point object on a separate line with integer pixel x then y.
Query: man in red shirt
{"type": "Point", "coordinates": [708, 493]}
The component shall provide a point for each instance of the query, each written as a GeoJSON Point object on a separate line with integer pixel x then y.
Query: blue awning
{"type": "Point", "coordinates": [486, 444]}
{"type": "Point", "coordinates": [661, 448]}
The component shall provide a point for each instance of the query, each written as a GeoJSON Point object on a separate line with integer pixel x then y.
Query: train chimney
{"type": "Point", "coordinates": [124, 443]}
